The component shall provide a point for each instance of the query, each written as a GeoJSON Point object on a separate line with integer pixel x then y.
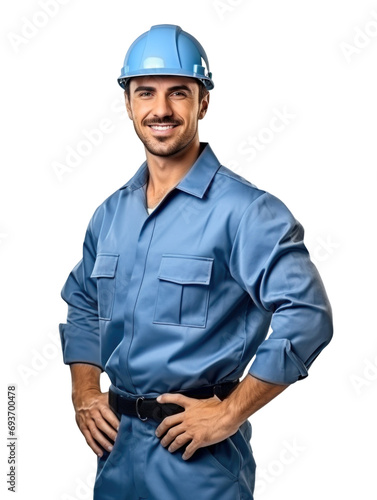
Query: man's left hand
{"type": "Point", "coordinates": [204, 422]}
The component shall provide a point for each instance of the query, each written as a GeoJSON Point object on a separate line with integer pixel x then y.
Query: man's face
{"type": "Point", "coordinates": [165, 111]}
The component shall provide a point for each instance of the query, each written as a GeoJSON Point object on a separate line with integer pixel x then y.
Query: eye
{"type": "Point", "coordinates": [146, 93]}
{"type": "Point", "coordinates": [179, 94]}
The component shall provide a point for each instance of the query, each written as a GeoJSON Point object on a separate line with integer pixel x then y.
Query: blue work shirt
{"type": "Point", "coordinates": [185, 296]}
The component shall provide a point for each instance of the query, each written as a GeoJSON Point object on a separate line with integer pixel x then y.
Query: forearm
{"type": "Point", "coordinates": [85, 377]}
{"type": "Point", "coordinates": [249, 396]}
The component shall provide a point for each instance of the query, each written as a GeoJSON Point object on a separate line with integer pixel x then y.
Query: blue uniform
{"type": "Point", "coordinates": [182, 298]}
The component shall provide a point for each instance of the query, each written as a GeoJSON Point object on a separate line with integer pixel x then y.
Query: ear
{"type": "Point", "coordinates": [128, 106]}
{"type": "Point", "coordinates": [203, 107]}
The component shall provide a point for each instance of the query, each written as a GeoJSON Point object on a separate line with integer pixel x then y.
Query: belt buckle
{"type": "Point", "coordinates": [141, 398]}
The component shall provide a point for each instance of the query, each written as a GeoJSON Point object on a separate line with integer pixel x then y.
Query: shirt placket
{"type": "Point", "coordinates": [137, 279]}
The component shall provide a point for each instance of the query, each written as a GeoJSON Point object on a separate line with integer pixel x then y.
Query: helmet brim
{"type": "Point", "coordinates": [207, 81]}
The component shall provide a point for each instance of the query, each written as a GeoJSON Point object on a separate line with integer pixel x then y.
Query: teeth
{"type": "Point", "coordinates": [162, 127]}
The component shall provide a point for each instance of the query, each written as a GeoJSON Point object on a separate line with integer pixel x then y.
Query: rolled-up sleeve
{"type": "Point", "coordinates": [270, 261]}
{"type": "Point", "coordinates": [80, 334]}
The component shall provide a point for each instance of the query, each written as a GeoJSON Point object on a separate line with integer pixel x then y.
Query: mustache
{"type": "Point", "coordinates": [162, 121]}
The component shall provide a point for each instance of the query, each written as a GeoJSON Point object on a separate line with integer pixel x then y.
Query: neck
{"type": "Point", "coordinates": [166, 172]}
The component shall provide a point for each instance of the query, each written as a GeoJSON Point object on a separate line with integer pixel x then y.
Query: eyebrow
{"type": "Point", "coordinates": [144, 88]}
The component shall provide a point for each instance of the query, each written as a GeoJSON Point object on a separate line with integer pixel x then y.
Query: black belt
{"type": "Point", "coordinates": [145, 408]}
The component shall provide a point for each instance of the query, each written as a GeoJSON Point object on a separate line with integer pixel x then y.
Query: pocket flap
{"type": "Point", "coordinates": [105, 266]}
{"type": "Point", "coordinates": [186, 269]}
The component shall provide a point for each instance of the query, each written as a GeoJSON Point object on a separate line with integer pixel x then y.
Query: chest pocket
{"type": "Point", "coordinates": [183, 290]}
{"type": "Point", "coordinates": [104, 270]}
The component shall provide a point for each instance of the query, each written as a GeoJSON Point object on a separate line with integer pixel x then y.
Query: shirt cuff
{"type": "Point", "coordinates": [79, 346]}
{"type": "Point", "coordinates": [275, 362]}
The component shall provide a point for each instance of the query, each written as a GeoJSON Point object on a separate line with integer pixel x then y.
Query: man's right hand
{"type": "Point", "coordinates": [94, 417]}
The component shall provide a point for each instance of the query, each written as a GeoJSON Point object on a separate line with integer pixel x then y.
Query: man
{"type": "Point", "coordinates": [184, 269]}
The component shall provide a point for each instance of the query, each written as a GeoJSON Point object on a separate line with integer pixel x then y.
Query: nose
{"type": "Point", "coordinates": [162, 106]}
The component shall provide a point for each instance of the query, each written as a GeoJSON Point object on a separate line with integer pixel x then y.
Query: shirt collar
{"type": "Point", "coordinates": [195, 182]}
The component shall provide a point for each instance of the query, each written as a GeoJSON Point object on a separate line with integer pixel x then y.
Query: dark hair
{"type": "Point", "coordinates": [202, 89]}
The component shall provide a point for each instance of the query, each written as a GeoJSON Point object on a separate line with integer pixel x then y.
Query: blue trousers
{"type": "Point", "coordinates": [139, 467]}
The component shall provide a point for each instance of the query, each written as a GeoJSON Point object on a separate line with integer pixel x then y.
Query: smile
{"type": "Point", "coordinates": [162, 127]}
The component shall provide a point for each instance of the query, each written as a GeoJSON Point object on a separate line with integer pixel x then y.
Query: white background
{"type": "Point", "coordinates": [311, 59]}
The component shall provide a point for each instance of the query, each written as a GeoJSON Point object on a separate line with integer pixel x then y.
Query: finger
{"type": "Point", "coordinates": [167, 423]}
{"type": "Point", "coordinates": [110, 417]}
{"type": "Point", "coordinates": [84, 419]}
{"type": "Point", "coordinates": [105, 428]}
{"type": "Point", "coordinates": [178, 399]}
{"type": "Point", "coordinates": [108, 413]}
{"type": "Point", "coordinates": [179, 441]}
{"type": "Point", "coordinates": [190, 450]}
{"type": "Point", "coordinates": [91, 442]}
{"type": "Point", "coordinates": [171, 435]}
{"type": "Point", "coordinates": [99, 437]}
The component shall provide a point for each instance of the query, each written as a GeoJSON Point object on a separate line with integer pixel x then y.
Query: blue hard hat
{"type": "Point", "coordinates": [166, 50]}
